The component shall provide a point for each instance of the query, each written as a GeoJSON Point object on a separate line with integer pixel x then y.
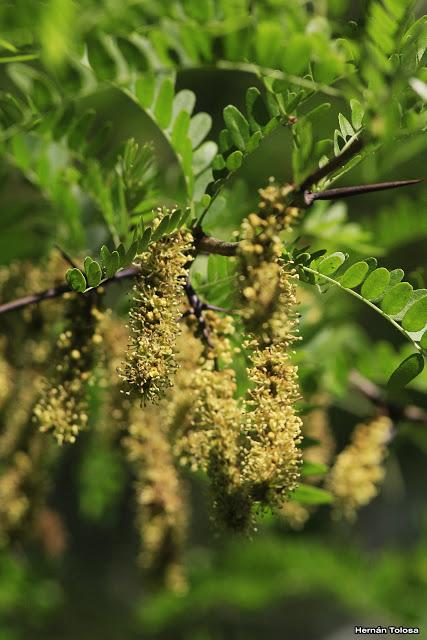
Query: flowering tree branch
{"type": "Point", "coordinates": [207, 244]}
{"type": "Point", "coordinates": [204, 244]}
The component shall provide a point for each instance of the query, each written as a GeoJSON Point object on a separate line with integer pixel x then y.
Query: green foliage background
{"type": "Point", "coordinates": [78, 79]}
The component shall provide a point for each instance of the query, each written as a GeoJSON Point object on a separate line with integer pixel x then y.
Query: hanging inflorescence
{"type": "Point", "coordinates": [157, 299]}
{"type": "Point", "coordinates": [162, 510]}
{"type": "Point", "coordinates": [177, 403]}
{"type": "Point", "coordinates": [359, 468]}
{"type": "Point", "coordinates": [62, 407]}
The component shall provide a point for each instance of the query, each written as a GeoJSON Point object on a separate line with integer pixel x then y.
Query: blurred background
{"type": "Point", "coordinates": [76, 575]}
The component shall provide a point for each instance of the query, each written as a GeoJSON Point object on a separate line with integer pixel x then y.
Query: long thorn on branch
{"type": "Point", "coordinates": [347, 192]}
{"type": "Point", "coordinates": [207, 244]}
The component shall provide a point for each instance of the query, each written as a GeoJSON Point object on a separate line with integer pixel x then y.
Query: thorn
{"type": "Point", "coordinates": [347, 192]}
{"type": "Point", "coordinates": [66, 257]}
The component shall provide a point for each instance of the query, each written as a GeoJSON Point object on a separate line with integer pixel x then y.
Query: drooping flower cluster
{"type": "Point", "coordinates": [22, 486]}
{"type": "Point", "coordinates": [315, 427]}
{"type": "Point", "coordinates": [359, 468]}
{"type": "Point", "coordinates": [259, 252]}
{"type": "Point", "coordinates": [62, 407]}
{"type": "Point", "coordinates": [162, 512]}
{"type": "Point", "coordinates": [272, 429]}
{"type": "Point", "coordinates": [206, 418]}
{"type": "Point", "coordinates": [14, 502]}
{"type": "Point", "coordinates": [157, 298]}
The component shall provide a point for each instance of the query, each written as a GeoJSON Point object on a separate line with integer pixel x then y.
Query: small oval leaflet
{"type": "Point", "coordinates": [396, 298]}
{"type": "Point", "coordinates": [332, 263]}
{"type": "Point", "coordinates": [355, 275]}
{"type": "Point", "coordinates": [415, 318]}
{"type": "Point", "coordinates": [376, 284]}
{"type": "Point", "coordinates": [307, 494]}
{"type": "Point", "coordinates": [238, 126]}
{"type": "Point", "coordinates": [234, 160]}
{"type": "Point", "coordinates": [76, 280]}
{"type": "Point", "coordinates": [409, 369]}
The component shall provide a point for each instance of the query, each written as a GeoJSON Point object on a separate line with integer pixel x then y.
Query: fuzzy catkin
{"type": "Point", "coordinates": [206, 419]}
{"type": "Point", "coordinates": [22, 487]}
{"type": "Point", "coordinates": [272, 428]}
{"type": "Point", "coordinates": [162, 511]}
{"type": "Point", "coordinates": [259, 254]}
{"type": "Point", "coordinates": [270, 452]}
{"type": "Point", "coordinates": [359, 468]}
{"type": "Point", "coordinates": [157, 298]}
{"type": "Point", "coordinates": [62, 407]}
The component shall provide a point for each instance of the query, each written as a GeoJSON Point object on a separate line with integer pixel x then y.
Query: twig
{"type": "Point", "coordinates": [66, 257]}
{"type": "Point", "coordinates": [207, 244]}
{"type": "Point", "coordinates": [330, 166]}
{"type": "Point", "coordinates": [377, 397]}
{"type": "Point", "coordinates": [61, 289]}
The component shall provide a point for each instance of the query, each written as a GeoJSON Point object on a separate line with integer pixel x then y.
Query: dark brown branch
{"type": "Point", "coordinates": [204, 244]}
{"type": "Point", "coordinates": [60, 290]}
{"type": "Point", "coordinates": [66, 257]}
{"type": "Point", "coordinates": [207, 244]}
{"type": "Point", "coordinates": [377, 397]}
{"type": "Point", "coordinates": [330, 166]}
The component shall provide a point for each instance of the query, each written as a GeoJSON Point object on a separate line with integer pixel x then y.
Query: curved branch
{"type": "Point", "coordinates": [204, 244]}
{"type": "Point", "coordinates": [61, 289]}
{"type": "Point", "coordinates": [207, 244]}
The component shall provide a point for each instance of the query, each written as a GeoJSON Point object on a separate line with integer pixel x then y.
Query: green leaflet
{"type": "Point", "coordinates": [307, 494]}
{"type": "Point", "coordinates": [93, 272]}
{"type": "Point", "coordinates": [76, 280]}
{"type": "Point", "coordinates": [331, 263]}
{"type": "Point", "coordinates": [415, 318]}
{"type": "Point", "coordinates": [355, 275]}
{"type": "Point", "coordinates": [409, 369]}
{"type": "Point", "coordinates": [375, 285]}
{"type": "Point", "coordinates": [397, 298]}
{"type": "Point", "coordinates": [162, 108]}
{"type": "Point", "coordinates": [396, 301]}
{"type": "Point", "coordinates": [200, 125]}
{"type": "Point", "coordinates": [313, 469]}
{"type": "Point", "coordinates": [237, 126]}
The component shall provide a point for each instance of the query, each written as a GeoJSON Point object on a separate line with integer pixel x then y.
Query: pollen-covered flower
{"type": "Point", "coordinates": [22, 485]}
{"type": "Point", "coordinates": [14, 502]}
{"type": "Point", "coordinates": [272, 429]}
{"type": "Point", "coordinates": [316, 426]}
{"type": "Point", "coordinates": [157, 298]}
{"type": "Point", "coordinates": [260, 250]}
{"type": "Point", "coordinates": [359, 468]}
{"type": "Point", "coordinates": [294, 514]}
{"type": "Point", "coordinates": [162, 512]}
{"type": "Point", "coordinates": [205, 417]}
{"type": "Point", "coordinates": [62, 407]}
